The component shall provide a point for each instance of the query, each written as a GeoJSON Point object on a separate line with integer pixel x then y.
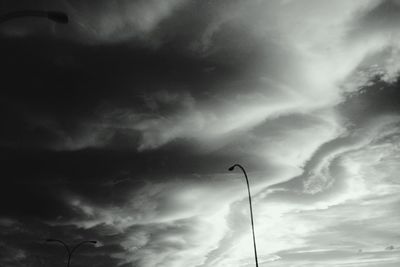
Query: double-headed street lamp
{"type": "Point", "coordinates": [251, 209]}
{"type": "Point", "coordinates": [70, 251]}
{"type": "Point", "coordinates": [55, 16]}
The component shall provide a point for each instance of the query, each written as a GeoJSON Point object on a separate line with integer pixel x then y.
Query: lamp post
{"type": "Point", "coordinates": [251, 208]}
{"type": "Point", "coordinates": [55, 16]}
{"type": "Point", "coordinates": [70, 251]}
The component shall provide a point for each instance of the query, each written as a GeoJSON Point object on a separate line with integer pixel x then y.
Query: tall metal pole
{"type": "Point", "coordinates": [70, 251]}
{"type": "Point", "coordinates": [251, 209]}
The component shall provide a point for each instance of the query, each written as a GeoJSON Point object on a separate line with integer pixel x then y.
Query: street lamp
{"type": "Point", "coordinates": [70, 251]}
{"type": "Point", "coordinates": [251, 208]}
{"type": "Point", "coordinates": [55, 16]}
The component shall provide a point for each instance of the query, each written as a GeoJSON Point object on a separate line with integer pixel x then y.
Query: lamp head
{"type": "Point", "coordinates": [93, 242]}
{"type": "Point", "coordinates": [232, 167]}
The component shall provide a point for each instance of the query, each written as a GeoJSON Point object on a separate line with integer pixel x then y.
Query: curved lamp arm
{"type": "Point", "coordinates": [251, 208]}
{"type": "Point", "coordinates": [61, 242]}
{"type": "Point", "coordinates": [56, 16]}
{"type": "Point", "coordinates": [81, 243]}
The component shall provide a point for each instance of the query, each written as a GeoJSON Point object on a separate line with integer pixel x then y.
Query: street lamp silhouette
{"type": "Point", "coordinates": [70, 251]}
{"type": "Point", "coordinates": [251, 208]}
{"type": "Point", "coordinates": [55, 16]}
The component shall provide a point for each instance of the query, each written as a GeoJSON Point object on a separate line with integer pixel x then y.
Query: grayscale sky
{"type": "Point", "coordinates": [120, 127]}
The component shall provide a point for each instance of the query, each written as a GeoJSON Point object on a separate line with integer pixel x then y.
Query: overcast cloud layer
{"type": "Point", "coordinates": [120, 126]}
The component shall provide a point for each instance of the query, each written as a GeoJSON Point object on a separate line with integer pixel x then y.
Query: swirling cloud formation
{"type": "Point", "coordinates": [120, 127]}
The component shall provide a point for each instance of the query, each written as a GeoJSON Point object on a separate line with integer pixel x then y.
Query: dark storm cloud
{"type": "Point", "coordinates": [56, 88]}
{"type": "Point", "coordinates": [372, 101]}
{"type": "Point", "coordinates": [67, 95]}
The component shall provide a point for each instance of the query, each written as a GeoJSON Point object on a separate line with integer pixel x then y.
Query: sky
{"type": "Point", "coordinates": [120, 127]}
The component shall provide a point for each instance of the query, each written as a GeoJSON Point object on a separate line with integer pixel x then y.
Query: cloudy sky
{"type": "Point", "coordinates": [120, 126]}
